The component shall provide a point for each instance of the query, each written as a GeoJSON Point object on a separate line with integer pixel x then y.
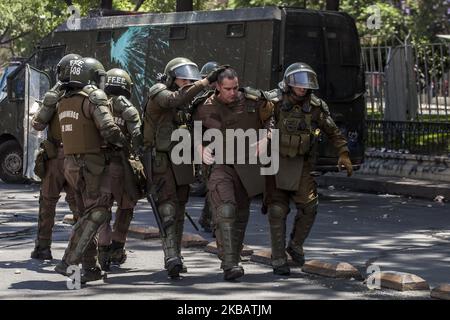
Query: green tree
{"type": "Point", "coordinates": [24, 23]}
{"type": "Point", "coordinates": [393, 23]}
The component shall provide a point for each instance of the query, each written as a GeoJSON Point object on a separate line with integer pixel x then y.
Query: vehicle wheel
{"type": "Point", "coordinates": [11, 162]}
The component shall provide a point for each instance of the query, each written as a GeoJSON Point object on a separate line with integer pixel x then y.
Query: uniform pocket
{"type": "Point", "coordinates": [163, 138]}
{"type": "Point", "coordinates": [94, 166]}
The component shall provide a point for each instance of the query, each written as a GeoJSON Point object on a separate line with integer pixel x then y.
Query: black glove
{"type": "Point", "coordinates": [212, 76]}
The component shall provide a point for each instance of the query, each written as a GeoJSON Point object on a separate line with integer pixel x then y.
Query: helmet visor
{"type": "Point", "coordinates": [302, 79]}
{"type": "Point", "coordinates": [188, 72]}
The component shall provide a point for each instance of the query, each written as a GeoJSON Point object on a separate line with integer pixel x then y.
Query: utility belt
{"type": "Point", "coordinates": [105, 157]}
{"type": "Point", "coordinates": [304, 143]}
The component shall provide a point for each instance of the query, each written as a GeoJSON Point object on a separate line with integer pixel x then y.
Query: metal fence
{"type": "Point", "coordinates": [407, 98]}
{"type": "Point", "coordinates": [416, 137]}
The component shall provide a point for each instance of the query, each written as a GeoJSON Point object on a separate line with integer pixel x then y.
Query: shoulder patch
{"type": "Point", "coordinates": [252, 94]}
{"type": "Point", "coordinates": [274, 95]}
{"type": "Point", "coordinates": [155, 89]}
{"type": "Point", "coordinates": [210, 101]}
{"type": "Point", "coordinates": [200, 99]}
{"type": "Point", "coordinates": [98, 97]}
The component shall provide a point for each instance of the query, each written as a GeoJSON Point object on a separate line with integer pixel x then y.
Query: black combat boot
{"type": "Point", "coordinates": [282, 270]}
{"type": "Point", "coordinates": [233, 273]}
{"type": "Point", "coordinates": [92, 274]}
{"type": "Point", "coordinates": [298, 258]}
{"type": "Point", "coordinates": [42, 250]}
{"type": "Point", "coordinates": [174, 267]}
{"type": "Point", "coordinates": [42, 253]}
{"type": "Point", "coordinates": [61, 268]}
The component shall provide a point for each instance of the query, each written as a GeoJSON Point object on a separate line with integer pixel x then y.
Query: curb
{"type": "Point", "coordinates": [400, 281]}
{"type": "Point", "coordinates": [441, 292]}
{"type": "Point", "coordinates": [391, 185]}
{"type": "Point", "coordinates": [332, 270]}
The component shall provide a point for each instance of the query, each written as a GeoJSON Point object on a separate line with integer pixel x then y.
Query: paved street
{"type": "Point", "coordinates": [393, 232]}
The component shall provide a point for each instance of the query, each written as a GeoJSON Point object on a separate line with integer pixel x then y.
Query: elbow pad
{"type": "Point", "coordinates": [45, 114]}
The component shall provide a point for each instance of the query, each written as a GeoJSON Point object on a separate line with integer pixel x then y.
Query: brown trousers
{"type": "Point", "coordinates": [306, 193]}
{"type": "Point", "coordinates": [125, 206]}
{"type": "Point", "coordinates": [91, 200]}
{"type": "Point", "coordinates": [52, 184]}
{"type": "Point", "coordinates": [277, 203]}
{"type": "Point", "coordinates": [225, 186]}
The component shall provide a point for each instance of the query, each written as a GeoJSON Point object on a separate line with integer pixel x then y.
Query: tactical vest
{"type": "Point", "coordinates": [249, 118]}
{"type": "Point", "coordinates": [244, 115]}
{"type": "Point", "coordinates": [79, 133]}
{"type": "Point", "coordinates": [296, 129]}
{"type": "Point", "coordinates": [164, 122]}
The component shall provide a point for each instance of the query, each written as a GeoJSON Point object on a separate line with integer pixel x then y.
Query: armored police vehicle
{"type": "Point", "coordinates": [258, 42]}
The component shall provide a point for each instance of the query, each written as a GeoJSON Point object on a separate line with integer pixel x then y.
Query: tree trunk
{"type": "Point", "coordinates": [333, 5]}
{"type": "Point", "coordinates": [185, 5]}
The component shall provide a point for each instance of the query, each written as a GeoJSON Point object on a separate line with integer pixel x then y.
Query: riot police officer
{"type": "Point", "coordinates": [231, 186]}
{"type": "Point", "coordinates": [124, 188]}
{"type": "Point", "coordinates": [167, 109]}
{"type": "Point", "coordinates": [88, 133]}
{"type": "Point", "coordinates": [205, 219]}
{"type": "Point", "coordinates": [49, 164]}
{"type": "Point", "coordinates": [300, 117]}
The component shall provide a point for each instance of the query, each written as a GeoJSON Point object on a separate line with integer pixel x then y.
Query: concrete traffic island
{"type": "Point", "coordinates": [333, 270]}
{"type": "Point", "coordinates": [441, 292]}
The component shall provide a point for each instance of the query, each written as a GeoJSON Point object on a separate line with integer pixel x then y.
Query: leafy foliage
{"type": "Point", "coordinates": [24, 22]}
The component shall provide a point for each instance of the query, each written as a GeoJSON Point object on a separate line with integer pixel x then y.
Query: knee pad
{"type": "Point", "coordinates": [226, 211]}
{"type": "Point", "coordinates": [277, 211]}
{"type": "Point", "coordinates": [167, 211]}
{"type": "Point", "coordinates": [309, 209]}
{"type": "Point", "coordinates": [99, 216]}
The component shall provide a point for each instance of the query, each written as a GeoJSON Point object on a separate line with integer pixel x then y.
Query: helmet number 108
{"type": "Point", "coordinates": [75, 70]}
